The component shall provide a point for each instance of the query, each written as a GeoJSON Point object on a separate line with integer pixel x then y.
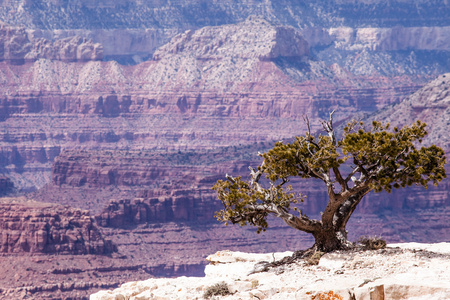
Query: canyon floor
{"type": "Point", "coordinates": [401, 271]}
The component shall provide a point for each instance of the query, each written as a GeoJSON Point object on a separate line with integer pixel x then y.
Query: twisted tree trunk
{"type": "Point", "coordinates": [332, 235]}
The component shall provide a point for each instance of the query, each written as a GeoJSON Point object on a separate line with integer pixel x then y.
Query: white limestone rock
{"type": "Point", "coordinates": [403, 271]}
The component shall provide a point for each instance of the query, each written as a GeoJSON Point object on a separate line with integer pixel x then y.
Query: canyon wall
{"type": "Point", "coordinates": [217, 86]}
{"type": "Point", "coordinates": [99, 14]}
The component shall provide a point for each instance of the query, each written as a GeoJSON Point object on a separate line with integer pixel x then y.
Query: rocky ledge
{"type": "Point", "coordinates": [401, 271]}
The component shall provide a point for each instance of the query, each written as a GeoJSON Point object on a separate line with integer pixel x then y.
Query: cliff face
{"type": "Point", "coordinates": [168, 185]}
{"type": "Point", "coordinates": [253, 38]}
{"type": "Point", "coordinates": [6, 186]}
{"type": "Point", "coordinates": [16, 47]}
{"type": "Point", "coordinates": [131, 31]}
{"type": "Point", "coordinates": [33, 227]}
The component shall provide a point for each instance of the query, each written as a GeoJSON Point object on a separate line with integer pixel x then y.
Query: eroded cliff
{"type": "Point", "coordinates": [35, 227]}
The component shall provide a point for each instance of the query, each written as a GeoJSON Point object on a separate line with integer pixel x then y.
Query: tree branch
{"type": "Point", "coordinates": [302, 222]}
{"type": "Point", "coordinates": [339, 179]}
{"type": "Point", "coordinates": [347, 208]}
{"type": "Point", "coordinates": [353, 172]}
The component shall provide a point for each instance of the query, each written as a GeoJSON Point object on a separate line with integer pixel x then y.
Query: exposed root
{"type": "Point", "coordinates": [312, 255]}
{"type": "Point", "coordinates": [265, 266]}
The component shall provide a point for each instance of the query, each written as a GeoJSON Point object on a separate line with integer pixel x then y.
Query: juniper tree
{"type": "Point", "coordinates": [361, 161]}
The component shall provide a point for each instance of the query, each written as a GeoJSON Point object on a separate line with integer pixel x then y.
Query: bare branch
{"type": "Point", "coordinates": [302, 222]}
{"type": "Point", "coordinates": [328, 127]}
{"type": "Point", "coordinates": [230, 178]}
{"type": "Point", "coordinates": [306, 119]}
{"type": "Point", "coordinates": [309, 150]}
{"type": "Point", "coordinates": [309, 136]}
{"type": "Point", "coordinates": [283, 182]}
{"type": "Point", "coordinates": [255, 174]}
{"type": "Point", "coordinates": [324, 177]}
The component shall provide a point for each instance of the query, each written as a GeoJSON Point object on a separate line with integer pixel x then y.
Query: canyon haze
{"type": "Point", "coordinates": [117, 117]}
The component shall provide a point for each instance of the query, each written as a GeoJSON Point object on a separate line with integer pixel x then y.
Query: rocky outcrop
{"type": "Point", "coordinates": [145, 168]}
{"type": "Point", "coordinates": [69, 49]}
{"type": "Point", "coordinates": [33, 227]}
{"type": "Point", "coordinates": [129, 213]}
{"type": "Point", "coordinates": [17, 48]}
{"type": "Point", "coordinates": [253, 38]}
{"type": "Point", "coordinates": [149, 186]}
{"type": "Point", "coordinates": [381, 274]}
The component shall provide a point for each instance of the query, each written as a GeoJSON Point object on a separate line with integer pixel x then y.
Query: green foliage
{"type": "Point", "coordinates": [306, 157]}
{"type": "Point", "coordinates": [391, 158]}
{"type": "Point", "coordinates": [244, 199]}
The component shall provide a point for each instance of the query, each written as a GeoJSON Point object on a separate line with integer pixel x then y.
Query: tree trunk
{"type": "Point", "coordinates": [328, 240]}
{"type": "Point", "coordinates": [332, 234]}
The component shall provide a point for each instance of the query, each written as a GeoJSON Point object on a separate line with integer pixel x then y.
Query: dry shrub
{"type": "Point", "coordinates": [255, 284]}
{"type": "Point", "coordinates": [372, 243]}
{"type": "Point", "coordinates": [219, 289]}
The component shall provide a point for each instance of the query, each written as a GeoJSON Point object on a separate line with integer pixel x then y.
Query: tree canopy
{"type": "Point", "coordinates": [362, 160]}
